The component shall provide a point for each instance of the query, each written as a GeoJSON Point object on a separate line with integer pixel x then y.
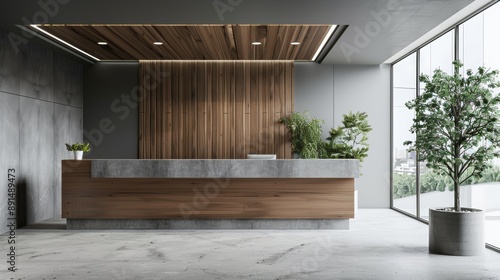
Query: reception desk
{"type": "Point", "coordinates": [203, 194]}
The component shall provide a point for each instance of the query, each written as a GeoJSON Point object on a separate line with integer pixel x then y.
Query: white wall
{"type": "Point", "coordinates": [329, 91]}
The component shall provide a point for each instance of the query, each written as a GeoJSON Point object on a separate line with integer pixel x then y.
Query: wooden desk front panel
{"type": "Point", "coordinates": [84, 197]}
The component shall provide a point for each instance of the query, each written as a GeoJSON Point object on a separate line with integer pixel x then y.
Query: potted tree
{"type": "Point", "coordinates": [457, 135]}
{"type": "Point", "coordinates": [78, 149]}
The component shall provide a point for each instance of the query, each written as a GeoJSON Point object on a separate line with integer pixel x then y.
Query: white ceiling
{"type": "Point", "coordinates": [378, 29]}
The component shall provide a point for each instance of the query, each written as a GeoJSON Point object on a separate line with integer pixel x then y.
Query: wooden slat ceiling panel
{"type": "Point", "coordinates": [194, 42]}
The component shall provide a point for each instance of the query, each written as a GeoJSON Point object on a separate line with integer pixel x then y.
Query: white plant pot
{"type": "Point", "coordinates": [78, 155]}
{"type": "Point", "coordinates": [456, 233]}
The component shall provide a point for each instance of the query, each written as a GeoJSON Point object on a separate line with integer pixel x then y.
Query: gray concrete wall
{"type": "Point", "coordinates": [314, 91]}
{"type": "Point", "coordinates": [40, 109]}
{"type": "Point", "coordinates": [111, 115]}
{"type": "Point", "coordinates": [367, 89]}
{"type": "Point", "coordinates": [329, 91]}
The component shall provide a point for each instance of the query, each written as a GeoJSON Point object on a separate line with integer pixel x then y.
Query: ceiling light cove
{"type": "Point", "coordinates": [192, 42]}
{"type": "Point", "coordinates": [56, 38]}
{"type": "Point", "coordinates": [325, 40]}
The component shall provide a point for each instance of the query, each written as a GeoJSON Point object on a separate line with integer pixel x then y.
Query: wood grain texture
{"type": "Point", "coordinates": [214, 109]}
{"type": "Point", "coordinates": [194, 42]}
{"type": "Point", "coordinates": [84, 197]}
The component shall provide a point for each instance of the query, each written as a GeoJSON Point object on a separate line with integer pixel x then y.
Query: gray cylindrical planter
{"type": "Point", "coordinates": [456, 233]}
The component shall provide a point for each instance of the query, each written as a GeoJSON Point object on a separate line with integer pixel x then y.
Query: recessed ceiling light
{"type": "Point", "coordinates": [295, 43]}
{"type": "Point", "coordinates": [256, 43]}
{"type": "Point", "coordinates": [102, 43]}
{"type": "Point", "coordinates": [158, 43]}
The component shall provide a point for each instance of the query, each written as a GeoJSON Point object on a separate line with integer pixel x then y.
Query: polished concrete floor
{"type": "Point", "coordinates": [381, 244]}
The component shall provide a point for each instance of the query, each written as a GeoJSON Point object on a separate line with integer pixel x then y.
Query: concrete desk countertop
{"type": "Point", "coordinates": [225, 168]}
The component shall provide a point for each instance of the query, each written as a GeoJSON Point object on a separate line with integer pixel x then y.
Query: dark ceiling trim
{"type": "Point", "coordinates": [339, 30]}
{"type": "Point", "coordinates": [57, 45]}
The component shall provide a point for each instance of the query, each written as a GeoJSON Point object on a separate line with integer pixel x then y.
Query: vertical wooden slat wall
{"type": "Point", "coordinates": [214, 109]}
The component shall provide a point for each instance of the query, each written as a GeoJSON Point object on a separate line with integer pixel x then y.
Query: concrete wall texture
{"type": "Point", "coordinates": [41, 109]}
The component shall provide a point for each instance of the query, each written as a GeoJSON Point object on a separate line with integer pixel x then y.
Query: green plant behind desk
{"type": "Point", "coordinates": [348, 141]}
{"type": "Point", "coordinates": [305, 134]}
{"type": "Point", "coordinates": [85, 147]}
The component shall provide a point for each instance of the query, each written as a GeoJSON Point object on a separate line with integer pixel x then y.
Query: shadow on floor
{"type": "Point", "coordinates": [51, 224]}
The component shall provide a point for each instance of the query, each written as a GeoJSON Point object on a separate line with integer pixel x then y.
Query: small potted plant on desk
{"type": "Point", "coordinates": [78, 149]}
{"type": "Point", "coordinates": [457, 128]}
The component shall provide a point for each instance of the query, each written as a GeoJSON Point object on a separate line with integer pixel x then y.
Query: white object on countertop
{"type": "Point", "coordinates": [261, 156]}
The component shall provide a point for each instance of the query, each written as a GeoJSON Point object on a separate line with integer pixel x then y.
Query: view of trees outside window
{"type": "Point", "coordinates": [478, 46]}
{"type": "Point", "coordinates": [404, 173]}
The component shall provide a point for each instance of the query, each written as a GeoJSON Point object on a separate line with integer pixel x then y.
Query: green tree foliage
{"type": "Point", "coordinates": [457, 124]}
{"type": "Point", "coordinates": [305, 134]}
{"type": "Point", "coordinates": [350, 140]}
{"type": "Point", "coordinates": [404, 184]}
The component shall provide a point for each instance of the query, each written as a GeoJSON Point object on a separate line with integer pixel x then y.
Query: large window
{"type": "Point", "coordinates": [479, 47]}
{"type": "Point", "coordinates": [434, 191]}
{"type": "Point", "coordinates": [416, 188]}
{"type": "Point", "coordinates": [404, 162]}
